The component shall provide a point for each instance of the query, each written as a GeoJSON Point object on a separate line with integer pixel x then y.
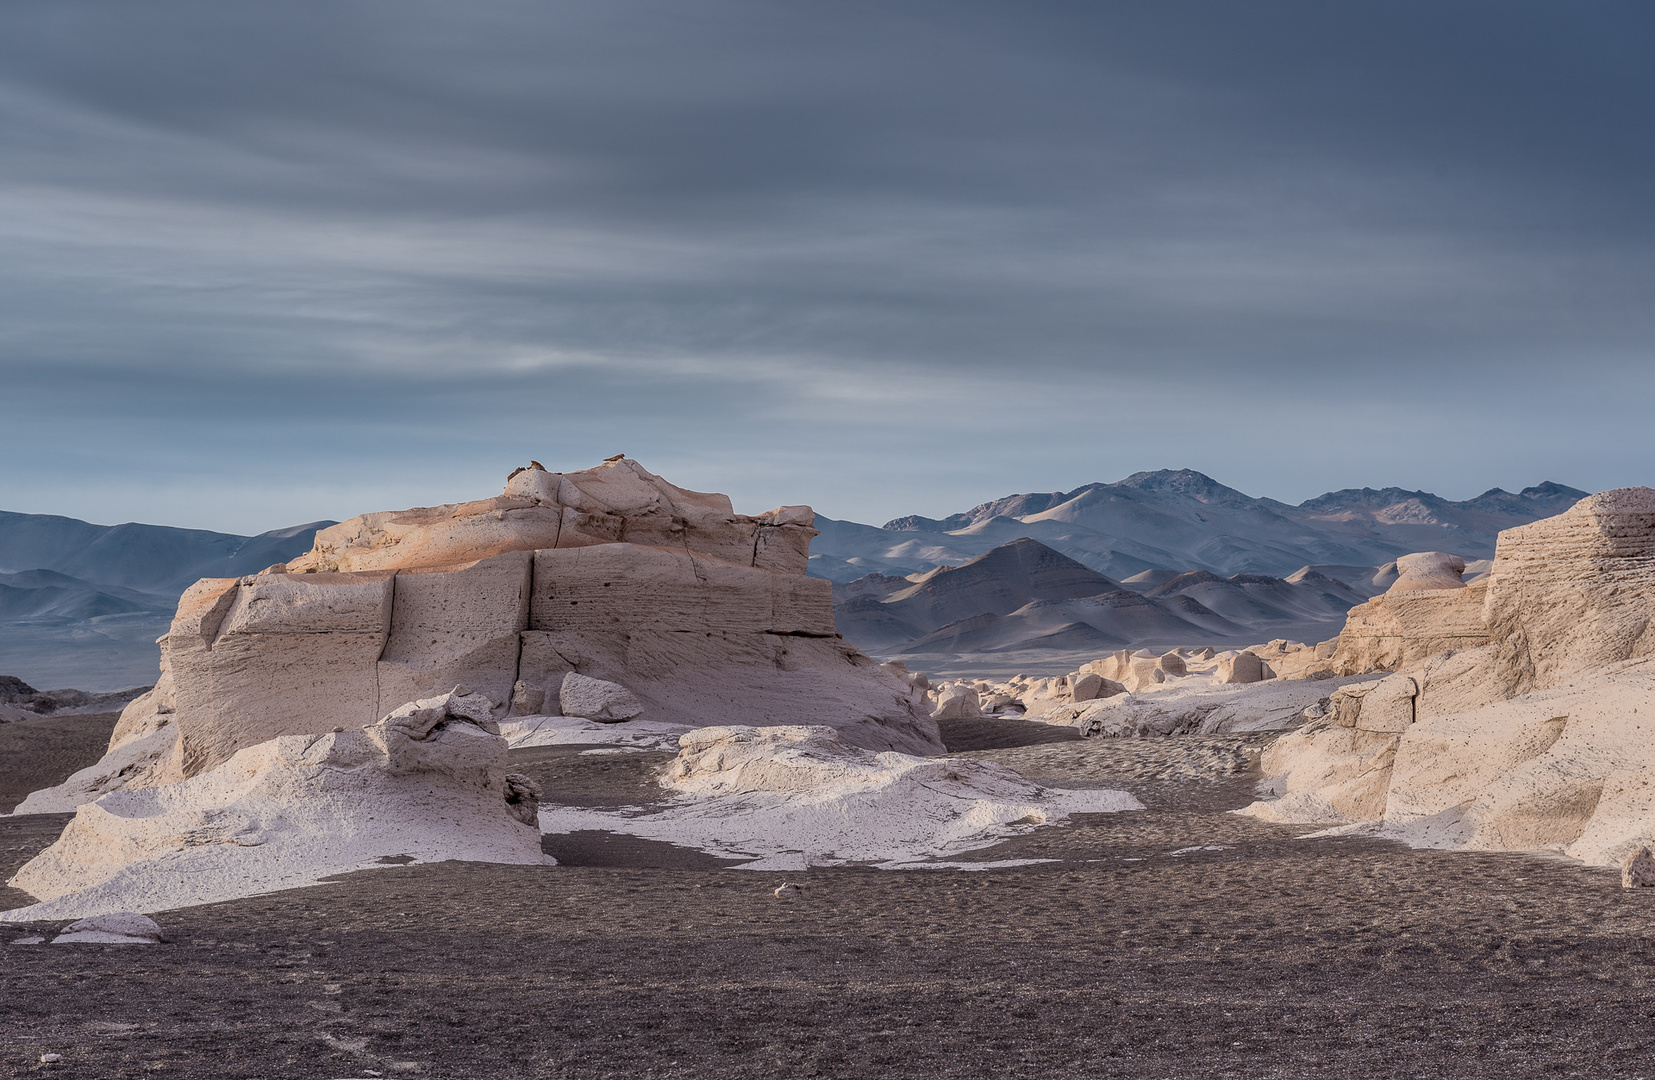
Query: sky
{"type": "Point", "coordinates": [267, 264]}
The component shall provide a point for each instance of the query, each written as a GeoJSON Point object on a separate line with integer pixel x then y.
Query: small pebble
{"type": "Point", "coordinates": [50, 1059]}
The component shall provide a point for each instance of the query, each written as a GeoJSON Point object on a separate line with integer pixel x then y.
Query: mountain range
{"type": "Point", "coordinates": [1161, 557]}
{"type": "Point", "coordinates": [1184, 520]}
{"type": "Point", "coordinates": [81, 605]}
{"type": "Point", "coordinates": [1158, 559]}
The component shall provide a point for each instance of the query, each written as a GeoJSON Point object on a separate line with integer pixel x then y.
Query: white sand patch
{"type": "Point", "coordinates": [428, 785]}
{"type": "Point", "coordinates": [527, 731]}
{"type": "Point", "coordinates": [786, 798]}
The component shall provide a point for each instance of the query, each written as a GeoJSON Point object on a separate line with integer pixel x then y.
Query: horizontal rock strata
{"type": "Point", "coordinates": [1530, 728]}
{"type": "Point", "coordinates": [612, 573]}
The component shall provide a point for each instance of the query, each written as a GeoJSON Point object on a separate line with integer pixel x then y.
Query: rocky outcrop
{"type": "Point", "coordinates": [957, 703]}
{"type": "Point", "coordinates": [1538, 736]}
{"type": "Point", "coordinates": [1241, 667]}
{"type": "Point", "coordinates": [1427, 610]}
{"type": "Point", "coordinates": [1090, 687]}
{"type": "Point", "coordinates": [427, 782]}
{"type": "Point", "coordinates": [1574, 592]}
{"type": "Point", "coordinates": [610, 574]}
{"type": "Point", "coordinates": [1428, 570]}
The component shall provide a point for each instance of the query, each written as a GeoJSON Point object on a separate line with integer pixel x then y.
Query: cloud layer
{"type": "Point", "coordinates": [267, 264]}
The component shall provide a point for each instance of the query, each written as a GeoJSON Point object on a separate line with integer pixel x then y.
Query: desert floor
{"type": "Point", "coordinates": [1260, 955]}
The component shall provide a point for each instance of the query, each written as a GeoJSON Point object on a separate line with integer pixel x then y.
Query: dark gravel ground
{"type": "Point", "coordinates": [43, 751]}
{"type": "Point", "coordinates": [1260, 955]}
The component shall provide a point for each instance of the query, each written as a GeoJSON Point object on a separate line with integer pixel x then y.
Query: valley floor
{"type": "Point", "coordinates": [1177, 942]}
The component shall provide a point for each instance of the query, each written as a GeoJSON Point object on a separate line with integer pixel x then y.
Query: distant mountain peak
{"type": "Point", "coordinates": [1187, 481]}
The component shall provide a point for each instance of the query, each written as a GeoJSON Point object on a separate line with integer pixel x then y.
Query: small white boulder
{"type": "Point", "coordinates": [957, 703]}
{"type": "Point", "coordinates": [597, 699]}
{"type": "Point", "coordinates": [116, 928]}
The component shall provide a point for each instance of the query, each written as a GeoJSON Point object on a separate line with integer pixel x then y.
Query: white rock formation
{"type": "Point", "coordinates": [788, 797]}
{"type": "Point", "coordinates": [596, 699]}
{"type": "Point", "coordinates": [117, 928]}
{"type": "Point", "coordinates": [428, 782]}
{"type": "Point", "coordinates": [1197, 705]}
{"type": "Point", "coordinates": [611, 573]}
{"type": "Point", "coordinates": [1428, 570]}
{"type": "Point", "coordinates": [527, 731]}
{"type": "Point", "coordinates": [1243, 667]}
{"type": "Point", "coordinates": [1428, 609]}
{"type": "Point", "coordinates": [957, 702]}
{"type": "Point", "coordinates": [1539, 739]}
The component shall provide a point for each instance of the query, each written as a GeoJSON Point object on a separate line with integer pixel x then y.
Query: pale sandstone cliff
{"type": "Point", "coordinates": [1540, 734]}
{"type": "Point", "coordinates": [704, 614]}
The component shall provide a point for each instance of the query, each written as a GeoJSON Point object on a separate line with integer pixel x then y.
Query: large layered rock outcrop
{"type": "Point", "coordinates": [702, 613]}
{"type": "Point", "coordinates": [1540, 735]}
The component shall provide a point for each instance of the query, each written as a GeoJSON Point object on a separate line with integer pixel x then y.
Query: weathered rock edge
{"type": "Point", "coordinates": [702, 614]}
{"type": "Point", "coordinates": [1523, 713]}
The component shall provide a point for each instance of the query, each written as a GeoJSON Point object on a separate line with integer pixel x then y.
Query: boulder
{"type": "Point", "coordinates": [1638, 870]}
{"type": "Point", "coordinates": [523, 798]}
{"type": "Point", "coordinates": [1243, 667]}
{"type": "Point", "coordinates": [116, 928]}
{"type": "Point", "coordinates": [1085, 687]}
{"type": "Point", "coordinates": [1173, 663]}
{"type": "Point", "coordinates": [1428, 570]}
{"type": "Point", "coordinates": [957, 702]}
{"type": "Point", "coordinates": [527, 700]}
{"type": "Point", "coordinates": [597, 699]}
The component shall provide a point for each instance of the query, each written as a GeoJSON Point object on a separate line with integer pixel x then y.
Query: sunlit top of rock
{"type": "Point", "coordinates": [618, 501]}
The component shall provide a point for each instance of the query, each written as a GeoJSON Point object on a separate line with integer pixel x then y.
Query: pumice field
{"type": "Point", "coordinates": [724, 540]}
{"type": "Point", "coordinates": [581, 780]}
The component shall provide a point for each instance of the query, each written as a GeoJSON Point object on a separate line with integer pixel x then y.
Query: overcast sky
{"type": "Point", "coordinates": [262, 264]}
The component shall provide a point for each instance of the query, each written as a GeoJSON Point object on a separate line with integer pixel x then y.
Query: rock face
{"type": "Point", "coordinates": [1537, 735]}
{"type": "Point", "coordinates": [1575, 591]}
{"type": "Point", "coordinates": [611, 573]}
{"type": "Point", "coordinates": [427, 782]}
{"type": "Point", "coordinates": [1427, 610]}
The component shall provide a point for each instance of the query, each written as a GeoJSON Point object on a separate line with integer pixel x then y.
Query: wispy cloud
{"type": "Point", "coordinates": [269, 264]}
